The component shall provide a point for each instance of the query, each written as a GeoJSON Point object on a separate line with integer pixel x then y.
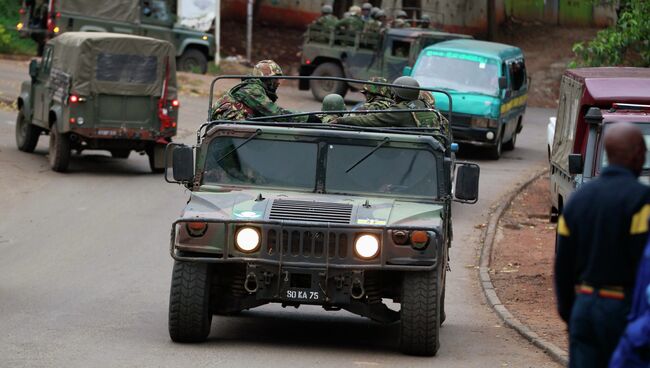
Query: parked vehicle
{"type": "Point", "coordinates": [592, 99]}
{"type": "Point", "coordinates": [100, 91]}
{"type": "Point", "coordinates": [337, 216]}
{"type": "Point", "coordinates": [361, 56]}
{"type": "Point", "coordinates": [42, 20]}
{"type": "Point", "coordinates": [489, 88]}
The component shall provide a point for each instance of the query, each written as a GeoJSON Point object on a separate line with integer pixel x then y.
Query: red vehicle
{"type": "Point", "coordinates": [591, 99]}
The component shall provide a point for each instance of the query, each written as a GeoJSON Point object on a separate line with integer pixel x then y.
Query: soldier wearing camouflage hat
{"type": "Point", "coordinates": [377, 23]}
{"type": "Point", "coordinates": [327, 20]}
{"type": "Point", "coordinates": [352, 24]}
{"type": "Point", "coordinates": [332, 102]}
{"type": "Point", "coordinates": [366, 9]}
{"type": "Point", "coordinates": [253, 97]}
{"type": "Point", "coordinates": [377, 97]}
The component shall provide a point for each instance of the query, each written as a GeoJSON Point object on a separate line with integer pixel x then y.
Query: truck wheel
{"type": "Point", "coordinates": [320, 89]}
{"type": "Point", "coordinates": [120, 153]}
{"type": "Point", "coordinates": [420, 313]}
{"type": "Point", "coordinates": [189, 302]}
{"type": "Point", "coordinates": [26, 133]}
{"type": "Point", "coordinates": [59, 151]}
{"type": "Point", "coordinates": [194, 61]}
{"type": "Point", "coordinates": [152, 152]}
{"type": "Point", "coordinates": [510, 145]}
{"type": "Point", "coordinates": [495, 151]}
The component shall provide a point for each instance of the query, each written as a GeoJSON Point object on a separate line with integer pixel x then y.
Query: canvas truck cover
{"type": "Point", "coordinates": [119, 10]}
{"type": "Point", "coordinates": [586, 87]}
{"type": "Point", "coordinates": [110, 63]}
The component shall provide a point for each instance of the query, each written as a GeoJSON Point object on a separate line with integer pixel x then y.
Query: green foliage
{"type": "Point", "coordinates": [10, 42]}
{"type": "Point", "coordinates": [625, 44]}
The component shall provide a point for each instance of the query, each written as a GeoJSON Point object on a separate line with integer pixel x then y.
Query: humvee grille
{"type": "Point", "coordinates": [337, 213]}
{"type": "Point", "coordinates": [307, 244]}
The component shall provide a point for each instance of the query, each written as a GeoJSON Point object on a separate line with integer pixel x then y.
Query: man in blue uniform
{"type": "Point", "coordinates": [601, 236]}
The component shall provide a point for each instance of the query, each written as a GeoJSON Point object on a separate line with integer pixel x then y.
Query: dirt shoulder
{"type": "Point", "coordinates": [522, 263]}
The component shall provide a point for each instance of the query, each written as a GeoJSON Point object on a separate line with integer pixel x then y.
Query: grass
{"type": "Point", "coordinates": [10, 42]}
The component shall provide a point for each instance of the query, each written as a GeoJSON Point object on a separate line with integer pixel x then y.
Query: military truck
{"type": "Point", "coordinates": [591, 100]}
{"type": "Point", "coordinates": [361, 55]}
{"type": "Point", "coordinates": [103, 91]}
{"type": "Point", "coordinates": [44, 19]}
{"type": "Point", "coordinates": [337, 216]}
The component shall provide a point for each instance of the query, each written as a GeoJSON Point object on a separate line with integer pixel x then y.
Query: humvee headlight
{"type": "Point", "coordinates": [247, 239]}
{"type": "Point", "coordinates": [367, 246]}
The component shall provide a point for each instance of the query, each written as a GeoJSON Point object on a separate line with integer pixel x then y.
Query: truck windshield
{"type": "Point", "coordinates": [261, 162]}
{"type": "Point", "coordinates": [399, 171]}
{"type": "Point", "coordinates": [294, 164]}
{"type": "Point", "coordinates": [457, 72]}
{"type": "Point", "coordinates": [645, 128]}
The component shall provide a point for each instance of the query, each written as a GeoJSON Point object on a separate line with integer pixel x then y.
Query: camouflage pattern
{"type": "Point", "coordinates": [266, 68]}
{"type": "Point", "coordinates": [249, 99]}
{"type": "Point", "coordinates": [388, 118]}
{"type": "Point", "coordinates": [400, 23]}
{"type": "Point", "coordinates": [377, 97]}
{"type": "Point", "coordinates": [326, 22]}
{"type": "Point", "coordinates": [353, 23]}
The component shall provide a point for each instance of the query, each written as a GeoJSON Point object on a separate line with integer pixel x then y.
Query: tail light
{"type": "Point", "coordinates": [175, 103]}
{"type": "Point", "coordinates": [50, 25]}
{"type": "Point", "coordinates": [21, 11]}
{"type": "Point", "coordinates": [166, 121]}
{"type": "Point", "coordinates": [73, 99]}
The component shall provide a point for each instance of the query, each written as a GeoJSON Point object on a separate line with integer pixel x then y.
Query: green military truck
{"type": "Point", "coordinates": [102, 91]}
{"type": "Point", "coordinates": [361, 56]}
{"type": "Point", "coordinates": [43, 19]}
{"type": "Point", "coordinates": [337, 216]}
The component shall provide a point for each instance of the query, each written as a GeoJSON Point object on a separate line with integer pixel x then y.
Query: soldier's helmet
{"type": "Point", "coordinates": [379, 15]}
{"type": "Point", "coordinates": [373, 11]}
{"type": "Point", "coordinates": [426, 17]}
{"type": "Point", "coordinates": [406, 93]}
{"type": "Point", "coordinates": [354, 10]}
{"type": "Point", "coordinates": [374, 89]}
{"type": "Point", "coordinates": [401, 14]}
{"type": "Point", "coordinates": [326, 9]}
{"type": "Point", "coordinates": [428, 98]}
{"type": "Point", "coordinates": [366, 6]}
{"type": "Point", "coordinates": [333, 102]}
{"type": "Point", "coordinates": [268, 68]}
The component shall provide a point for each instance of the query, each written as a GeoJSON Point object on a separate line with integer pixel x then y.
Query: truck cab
{"type": "Point", "coordinates": [361, 56]}
{"type": "Point", "coordinates": [591, 100]}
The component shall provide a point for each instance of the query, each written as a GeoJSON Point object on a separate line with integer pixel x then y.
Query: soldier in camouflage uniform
{"type": "Point", "coordinates": [377, 97]}
{"type": "Point", "coordinates": [401, 20]}
{"type": "Point", "coordinates": [440, 122]}
{"type": "Point", "coordinates": [352, 24]}
{"type": "Point", "coordinates": [425, 21]}
{"type": "Point", "coordinates": [376, 24]}
{"type": "Point", "coordinates": [327, 21]}
{"type": "Point", "coordinates": [253, 97]}
{"type": "Point", "coordinates": [332, 102]}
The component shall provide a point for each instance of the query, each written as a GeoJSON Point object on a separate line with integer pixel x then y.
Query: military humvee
{"type": "Point", "coordinates": [338, 216]}
{"type": "Point", "coordinates": [361, 56]}
{"type": "Point", "coordinates": [102, 91]}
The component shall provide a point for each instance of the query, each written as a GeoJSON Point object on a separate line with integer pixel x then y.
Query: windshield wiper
{"type": "Point", "coordinates": [386, 139]}
{"type": "Point", "coordinates": [257, 132]}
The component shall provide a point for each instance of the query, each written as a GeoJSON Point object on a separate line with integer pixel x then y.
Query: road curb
{"type": "Point", "coordinates": [487, 241]}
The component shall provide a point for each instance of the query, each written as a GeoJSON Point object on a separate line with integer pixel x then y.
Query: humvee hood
{"type": "Point", "coordinates": [317, 208]}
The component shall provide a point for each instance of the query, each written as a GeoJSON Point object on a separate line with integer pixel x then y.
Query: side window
{"type": "Point", "coordinates": [400, 49]}
{"type": "Point", "coordinates": [46, 64]}
{"type": "Point", "coordinates": [517, 74]}
{"type": "Point", "coordinates": [156, 10]}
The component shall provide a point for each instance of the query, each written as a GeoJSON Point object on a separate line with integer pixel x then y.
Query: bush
{"type": "Point", "coordinates": [625, 44]}
{"type": "Point", "coordinates": [10, 42]}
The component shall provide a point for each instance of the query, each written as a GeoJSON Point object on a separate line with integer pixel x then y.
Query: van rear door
{"type": "Point", "coordinates": [128, 111]}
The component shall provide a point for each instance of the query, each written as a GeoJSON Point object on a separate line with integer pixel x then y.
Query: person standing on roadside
{"type": "Point", "coordinates": [601, 236]}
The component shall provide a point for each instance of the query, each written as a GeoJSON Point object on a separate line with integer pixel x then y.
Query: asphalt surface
{"type": "Point", "coordinates": [85, 269]}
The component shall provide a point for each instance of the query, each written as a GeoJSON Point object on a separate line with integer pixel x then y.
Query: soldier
{"type": "Point", "coordinates": [425, 21]}
{"type": "Point", "coordinates": [253, 97]}
{"type": "Point", "coordinates": [401, 20]}
{"type": "Point", "coordinates": [332, 102]}
{"type": "Point", "coordinates": [406, 99]}
{"type": "Point", "coordinates": [377, 97]}
{"type": "Point", "coordinates": [366, 8]}
{"type": "Point", "coordinates": [377, 23]}
{"type": "Point", "coordinates": [327, 20]}
{"type": "Point", "coordinates": [440, 122]}
{"type": "Point", "coordinates": [353, 23]}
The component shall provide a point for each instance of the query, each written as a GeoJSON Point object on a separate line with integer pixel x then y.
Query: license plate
{"type": "Point", "coordinates": [304, 295]}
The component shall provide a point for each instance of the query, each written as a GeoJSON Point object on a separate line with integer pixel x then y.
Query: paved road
{"type": "Point", "coordinates": [85, 272]}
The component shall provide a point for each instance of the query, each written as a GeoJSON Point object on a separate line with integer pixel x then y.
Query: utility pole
{"type": "Point", "coordinates": [217, 31]}
{"type": "Point", "coordinates": [492, 19]}
{"type": "Point", "coordinates": [249, 30]}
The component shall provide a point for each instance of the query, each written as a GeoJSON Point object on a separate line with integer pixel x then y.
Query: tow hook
{"type": "Point", "coordinates": [357, 291]}
{"type": "Point", "coordinates": [250, 284]}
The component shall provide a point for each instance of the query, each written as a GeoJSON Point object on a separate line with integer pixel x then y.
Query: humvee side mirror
{"type": "Point", "coordinates": [407, 71]}
{"type": "Point", "coordinates": [467, 176]}
{"type": "Point", "coordinates": [182, 163]}
{"type": "Point", "coordinates": [575, 163]}
{"type": "Point", "coordinates": [503, 83]}
{"type": "Point", "coordinates": [33, 68]}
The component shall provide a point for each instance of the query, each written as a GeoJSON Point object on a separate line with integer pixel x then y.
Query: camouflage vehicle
{"type": "Point", "coordinates": [337, 216]}
{"type": "Point", "coordinates": [361, 56]}
{"type": "Point", "coordinates": [44, 19]}
{"type": "Point", "coordinates": [102, 91]}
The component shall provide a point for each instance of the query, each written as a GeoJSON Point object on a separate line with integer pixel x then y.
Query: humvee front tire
{"type": "Point", "coordinates": [59, 151]}
{"type": "Point", "coordinates": [193, 60]}
{"type": "Point", "coordinates": [320, 89]}
{"type": "Point", "coordinates": [189, 302]}
{"type": "Point", "coordinates": [420, 313]}
{"type": "Point", "coordinates": [26, 133]}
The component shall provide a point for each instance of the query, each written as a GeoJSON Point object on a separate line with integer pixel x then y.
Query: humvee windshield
{"type": "Point", "coordinates": [295, 164]}
{"type": "Point", "coordinates": [456, 71]}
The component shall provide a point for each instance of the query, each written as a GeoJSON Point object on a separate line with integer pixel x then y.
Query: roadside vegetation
{"type": "Point", "coordinates": [625, 44]}
{"type": "Point", "coordinates": [10, 43]}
